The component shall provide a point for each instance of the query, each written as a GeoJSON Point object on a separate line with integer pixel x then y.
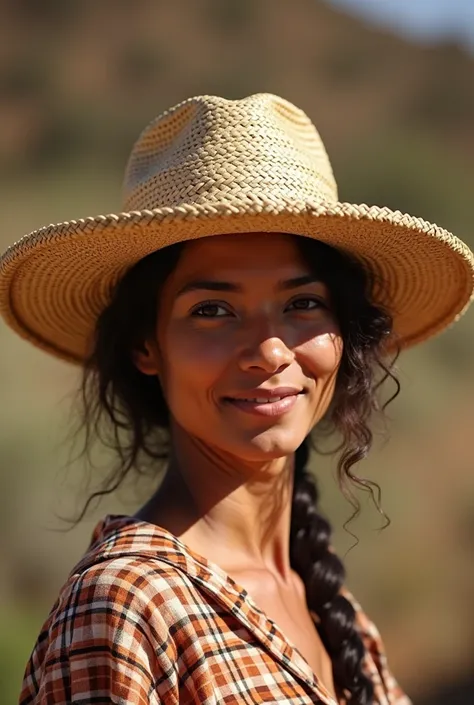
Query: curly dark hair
{"type": "Point", "coordinates": [126, 410]}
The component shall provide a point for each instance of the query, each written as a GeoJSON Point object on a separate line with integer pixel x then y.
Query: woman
{"type": "Point", "coordinates": [233, 307]}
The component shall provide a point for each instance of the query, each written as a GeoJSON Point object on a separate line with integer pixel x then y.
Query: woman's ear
{"type": "Point", "coordinates": [146, 359]}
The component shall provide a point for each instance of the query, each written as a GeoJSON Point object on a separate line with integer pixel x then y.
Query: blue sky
{"type": "Point", "coordinates": [420, 18]}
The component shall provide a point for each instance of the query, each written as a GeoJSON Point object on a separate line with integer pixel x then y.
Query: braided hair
{"type": "Point", "coordinates": [323, 575]}
{"type": "Point", "coordinates": [125, 410]}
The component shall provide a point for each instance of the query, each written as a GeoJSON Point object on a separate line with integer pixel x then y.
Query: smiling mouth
{"type": "Point", "coordinates": [263, 400]}
{"type": "Point", "coordinates": [266, 406]}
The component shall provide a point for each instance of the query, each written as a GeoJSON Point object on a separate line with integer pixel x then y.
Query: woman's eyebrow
{"type": "Point", "coordinates": [295, 282]}
{"type": "Point", "coordinates": [208, 285]}
{"type": "Point", "coordinates": [213, 285]}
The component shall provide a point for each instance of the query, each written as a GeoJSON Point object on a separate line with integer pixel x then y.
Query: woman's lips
{"type": "Point", "coordinates": [261, 406]}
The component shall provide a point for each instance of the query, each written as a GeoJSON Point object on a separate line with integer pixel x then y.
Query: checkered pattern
{"type": "Point", "coordinates": [143, 620]}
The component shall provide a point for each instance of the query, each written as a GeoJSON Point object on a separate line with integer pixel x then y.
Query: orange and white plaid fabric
{"type": "Point", "coordinates": [143, 620]}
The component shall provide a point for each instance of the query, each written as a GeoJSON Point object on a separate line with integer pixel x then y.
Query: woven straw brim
{"type": "Point", "coordinates": [56, 281]}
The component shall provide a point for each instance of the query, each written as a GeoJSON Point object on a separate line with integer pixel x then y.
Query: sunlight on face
{"type": "Point", "coordinates": [248, 345]}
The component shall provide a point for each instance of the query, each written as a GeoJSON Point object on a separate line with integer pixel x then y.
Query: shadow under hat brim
{"type": "Point", "coordinates": [55, 282]}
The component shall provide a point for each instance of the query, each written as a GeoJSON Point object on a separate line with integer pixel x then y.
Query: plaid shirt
{"type": "Point", "coordinates": [143, 620]}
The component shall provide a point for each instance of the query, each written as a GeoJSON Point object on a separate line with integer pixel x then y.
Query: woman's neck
{"type": "Point", "coordinates": [236, 513]}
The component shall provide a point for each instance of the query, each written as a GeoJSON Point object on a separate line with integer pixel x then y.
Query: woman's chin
{"type": "Point", "coordinates": [267, 446]}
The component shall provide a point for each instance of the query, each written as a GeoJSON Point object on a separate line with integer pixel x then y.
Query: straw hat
{"type": "Point", "coordinates": [211, 166]}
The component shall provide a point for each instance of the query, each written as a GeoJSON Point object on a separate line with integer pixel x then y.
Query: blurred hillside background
{"type": "Point", "coordinates": [79, 79]}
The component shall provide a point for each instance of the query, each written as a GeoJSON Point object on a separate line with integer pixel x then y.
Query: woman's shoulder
{"type": "Point", "coordinates": [127, 567]}
{"type": "Point", "coordinates": [122, 588]}
{"type": "Point", "coordinates": [116, 608]}
{"type": "Point", "coordinates": [126, 582]}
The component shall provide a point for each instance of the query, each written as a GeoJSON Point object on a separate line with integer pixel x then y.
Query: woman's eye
{"type": "Point", "coordinates": [210, 310]}
{"type": "Point", "coordinates": [305, 304]}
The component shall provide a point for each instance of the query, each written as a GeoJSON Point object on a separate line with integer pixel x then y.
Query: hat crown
{"type": "Point", "coordinates": [208, 150]}
{"type": "Point", "coordinates": [209, 167]}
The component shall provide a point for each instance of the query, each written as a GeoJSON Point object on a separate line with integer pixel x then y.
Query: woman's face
{"type": "Point", "coordinates": [247, 347]}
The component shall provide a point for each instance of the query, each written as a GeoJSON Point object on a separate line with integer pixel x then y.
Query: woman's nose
{"type": "Point", "coordinates": [270, 355]}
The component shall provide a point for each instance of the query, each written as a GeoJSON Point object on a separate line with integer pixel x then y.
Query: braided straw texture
{"type": "Point", "coordinates": [211, 166]}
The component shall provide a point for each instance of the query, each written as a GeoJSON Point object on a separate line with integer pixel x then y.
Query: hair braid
{"type": "Point", "coordinates": [323, 575]}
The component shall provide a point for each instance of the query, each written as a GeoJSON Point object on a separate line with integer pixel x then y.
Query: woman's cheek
{"type": "Point", "coordinates": [322, 354]}
{"type": "Point", "coordinates": [199, 350]}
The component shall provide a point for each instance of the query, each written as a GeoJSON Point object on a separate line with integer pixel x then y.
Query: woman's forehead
{"type": "Point", "coordinates": [243, 251]}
